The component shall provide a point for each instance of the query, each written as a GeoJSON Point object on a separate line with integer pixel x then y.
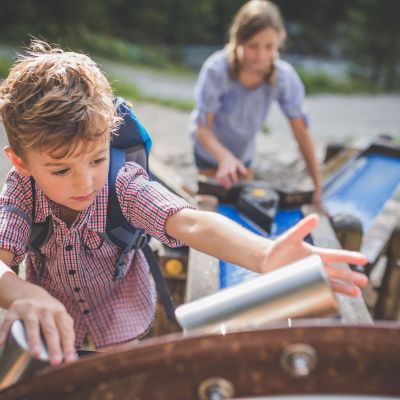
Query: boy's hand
{"type": "Point", "coordinates": [290, 247]}
{"type": "Point", "coordinates": [43, 313]}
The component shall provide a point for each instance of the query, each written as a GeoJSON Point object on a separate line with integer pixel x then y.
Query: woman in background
{"type": "Point", "coordinates": [234, 92]}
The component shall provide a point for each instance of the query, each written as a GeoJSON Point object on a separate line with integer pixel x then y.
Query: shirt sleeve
{"type": "Point", "coordinates": [209, 88]}
{"type": "Point", "coordinates": [147, 204]}
{"type": "Point", "coordinates": [291, 94]}
{"type": "Point", "coordinates": [15, 215]}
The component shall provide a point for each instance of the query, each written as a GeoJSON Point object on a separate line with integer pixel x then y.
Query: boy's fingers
{"type": "Point", "coordinates": [342, 256]}
{"type": "Point", "coordinates": [302, 228]}
{"type": "Point", "coordinates": [32, 330]}
{"type": "Point", "coordinates": [5, 327]}
{"type": "Point", "coordinates": [66, 329]}
{"type": "Point", "coordinates": [345, 288]}
{"type": "Point", "coordinates": [52, 338]}
{"type": "Point", "coordinates": [345, 275]}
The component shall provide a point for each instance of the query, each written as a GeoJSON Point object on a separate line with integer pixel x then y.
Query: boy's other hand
{"type": "Point", "coordinates": [43, 314]}
{"type": "Point", "coordinates": [290, 247]}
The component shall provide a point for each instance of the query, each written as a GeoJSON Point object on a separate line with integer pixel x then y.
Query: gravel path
{"type": "Point", "coordinates": [333, 119]}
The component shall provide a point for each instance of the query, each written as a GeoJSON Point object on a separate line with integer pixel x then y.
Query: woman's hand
{"type": "Point", "coordinates": [230, 170]}
{"type": "Point", "coordinates": [42, 313]}
{"type": "Point", "coordinates": [291, 247]}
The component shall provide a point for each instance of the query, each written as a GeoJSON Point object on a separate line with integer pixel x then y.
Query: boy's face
{"type": "Point", "coordinates": [72, 181]}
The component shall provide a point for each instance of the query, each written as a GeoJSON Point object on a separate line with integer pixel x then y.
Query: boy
{"type": "Point", "coordinates": [59, 117]}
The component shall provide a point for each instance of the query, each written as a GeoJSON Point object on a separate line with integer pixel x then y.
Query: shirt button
{"type": "Point", "coordinates": [86, 312]}
{"type": "Point", "coordinates": [69, 247]}
{"type": "Point", "coordinates": [76, 289]}
{"type": "Point", "coordinates": [72, 272]}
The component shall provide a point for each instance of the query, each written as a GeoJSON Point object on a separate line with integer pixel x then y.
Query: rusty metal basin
{"type": "Point", "coordinates": [304, 359]}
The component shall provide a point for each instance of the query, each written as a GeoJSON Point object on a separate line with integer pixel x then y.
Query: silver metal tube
{"type": "Point", "coordinates": [297, 290]}
{"type": "Point", "coordinates": [16, 363]}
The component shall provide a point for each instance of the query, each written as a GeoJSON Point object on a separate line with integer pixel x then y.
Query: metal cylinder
{"type": "Point", "coordinates": [16, 363]}
{"type": "Point", "coordinates": [298, 290]}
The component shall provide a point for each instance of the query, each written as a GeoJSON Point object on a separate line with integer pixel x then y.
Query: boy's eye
{"type": "Point", "coordinates": [60, 173]}
{"type": "Point", "coordinates": [99, 160]}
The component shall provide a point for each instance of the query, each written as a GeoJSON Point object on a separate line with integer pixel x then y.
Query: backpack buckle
{"type": "Point", "coordinates": [141, 240]}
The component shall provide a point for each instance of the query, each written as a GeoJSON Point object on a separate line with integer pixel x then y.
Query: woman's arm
{"type": "Point", "coordinates": [306, 146]}
{"type": "Point", "coordinates": [229, 167]}
{"type": "Point", "coordinates": [222, 238]}
{"type": "Point", "coordinates": [40, 312]}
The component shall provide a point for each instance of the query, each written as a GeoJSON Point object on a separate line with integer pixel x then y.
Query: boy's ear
{"type": "Point", "coordinates": [17, 161]}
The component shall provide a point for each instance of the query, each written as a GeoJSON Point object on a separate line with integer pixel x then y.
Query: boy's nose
{"type": "Point", "coordinates": [83, 182]}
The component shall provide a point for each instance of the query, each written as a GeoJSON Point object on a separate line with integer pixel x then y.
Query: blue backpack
{"type": "Point", "coordinates": [132, 143]}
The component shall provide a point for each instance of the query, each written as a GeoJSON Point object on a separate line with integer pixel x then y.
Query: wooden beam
{"type": "Point", "coordinates": [352, 310]}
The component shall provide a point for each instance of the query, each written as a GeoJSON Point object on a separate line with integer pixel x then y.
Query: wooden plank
{"type": "Point", "coordinates": [388, 304]}
{"type": "Point", "coordinates": [352, 310]}
{"type": "Point", "coordinates": [375, 241]}
{"type": "Point", "coordinates": [202, 270]}
{"type": "Point", "coordinates": [338, 161]}
{"type": "Point", "coordinates": [203, 275]}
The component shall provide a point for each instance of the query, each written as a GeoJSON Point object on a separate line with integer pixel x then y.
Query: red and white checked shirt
{"type": "Point", "coordinates": [79, 263]}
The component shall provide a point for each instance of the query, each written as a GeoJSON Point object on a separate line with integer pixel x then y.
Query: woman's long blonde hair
{"type": "Point", "coordinates": [253, 17]}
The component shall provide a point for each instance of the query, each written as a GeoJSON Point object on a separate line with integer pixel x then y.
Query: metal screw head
{"type": "Point", "coordinates": [215, 388]}
{"type": "Point", "coordinates": [299, 359]}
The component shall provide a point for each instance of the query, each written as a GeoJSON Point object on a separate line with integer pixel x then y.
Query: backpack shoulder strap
{"type": "Point", "coordinates": [127, 237]}
{"type": "Point", "coordinates": [40, 231]}
{"type": "Point", "coordinates": [118, 230]}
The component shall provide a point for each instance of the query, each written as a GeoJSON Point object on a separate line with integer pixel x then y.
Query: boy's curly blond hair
{"type": "Point", "coordinates": [53, 100]}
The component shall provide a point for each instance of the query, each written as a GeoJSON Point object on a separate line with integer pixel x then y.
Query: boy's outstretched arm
{"type": "Point", "coordinates": [40, 312]}
{"type": "Point", "coordinates": [222, 238]}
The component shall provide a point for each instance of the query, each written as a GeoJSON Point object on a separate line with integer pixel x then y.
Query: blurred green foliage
{"type": "Point", "coordinates": [150, 32]}
{"type": "Point", "coordinates": [321, 82]}
{"type": "Point", "coordinates": [5, 65]}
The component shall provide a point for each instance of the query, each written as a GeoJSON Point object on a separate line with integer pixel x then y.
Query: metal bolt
{"type": "Point", "coordinates": [299, 360]}
{"type": "Point", "coordinates": [215, 389]}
